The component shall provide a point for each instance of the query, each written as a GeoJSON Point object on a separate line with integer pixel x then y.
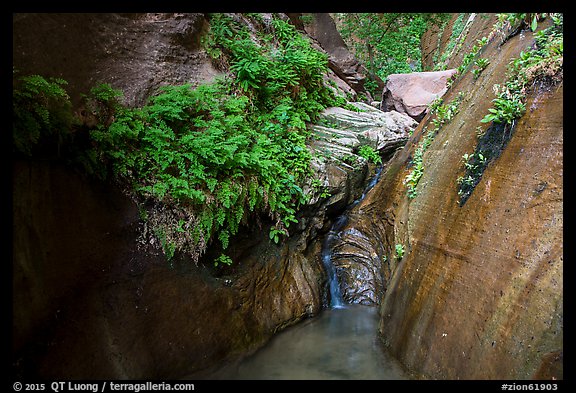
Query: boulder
{"type": "Point", "coordinates": [358, 267]}
{"type": "Point", "coordinates": [338, 135]}
{"type": "Point", "coordinates": [412, 93]}
{"type": "Point", "coordinates": [346, 129]}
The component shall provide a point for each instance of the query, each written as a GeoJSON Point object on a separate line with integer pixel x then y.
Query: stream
{"type": "Point", "coordinates": [340, 343]}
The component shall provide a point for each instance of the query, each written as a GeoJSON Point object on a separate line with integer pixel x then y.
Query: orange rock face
{"type": "Point", "coordinates": [478, 293]}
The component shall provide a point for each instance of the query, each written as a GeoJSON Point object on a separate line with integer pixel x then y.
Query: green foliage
{"type": "Point", "coordinates": [319, 187]}
{"type": "Point", "coordinates": [387, 43]}
{"type": "Point", "coordinates": [479, 65]}
{"type": "Point", "coordinates": [514, 19]}
{"type": "Point", "coordinates": [306, 19]}
{"type": "Point", "coordinates": [457, 28]}
{"type": "Point", "coordinates": [399, 251]}
{"type": "Point", "coordinates": [444, 114]}
{"type": "Point", "coordinates": [469, 57]}
{"type": "Point", "coordinates": [229, 149]}
{"type": "Point", "coordinates": [275, 234]}
{"type": "Point", "coordinates": [371, 86]}
{"type": "Point", "coordinates": [506, 109]}
{"type": "Point", "coordinates": [371, 155]}
{"type": "Point", "coordinates": [475, 164]}
{"type": "Point", "coordinates": [41, 113]}
{"type": "Point", "coordinates": [168, 247]}
{"type": "Point", "coordinates": [412, 179]}
{"type": "Point", "coordinates": [543, 62]}
{"type": "Point", "coordinates": [103, 101]}
{"type": "Point", "coordinates": [350, 159]}
{"type": "Point", "coordinates": [223, 260]}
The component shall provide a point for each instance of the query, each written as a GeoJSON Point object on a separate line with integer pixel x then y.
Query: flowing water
{"type": "Point", "coordinates": [336, 300]}
{"type": "Point", "coordinates": [341, 343]}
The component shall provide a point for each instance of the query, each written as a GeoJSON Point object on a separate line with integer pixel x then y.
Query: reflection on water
{"type": "Point", "coordinates": [340, 343]}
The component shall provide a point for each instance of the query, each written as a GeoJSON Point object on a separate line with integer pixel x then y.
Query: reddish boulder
{"type": "Point", "coordinates": [412, 93]}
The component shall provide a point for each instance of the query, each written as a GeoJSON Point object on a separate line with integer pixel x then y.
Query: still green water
{"type": "Point", "coordinates": [340, 343]}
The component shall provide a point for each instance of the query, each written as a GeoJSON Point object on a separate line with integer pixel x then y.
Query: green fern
{"type": "Point", "coordinates": [231, 149]}
{"type": "Point", "coordinates": [41, 111]}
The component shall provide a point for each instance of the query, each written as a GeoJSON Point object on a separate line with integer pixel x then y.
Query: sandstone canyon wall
{"type": "Point", "coordinates": [478, 293]}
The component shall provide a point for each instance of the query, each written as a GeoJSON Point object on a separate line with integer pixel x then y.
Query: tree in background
{"type": "Point", "coordinates": [386, 43]}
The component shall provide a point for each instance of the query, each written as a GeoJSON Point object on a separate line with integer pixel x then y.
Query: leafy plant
{"type": "Point", "coordinates": [41, 113]}
{"type": "Point", "coordinates": [474, 164]}
{"type": "Point", "coordinates": [480, 64]}
{"type": "Point", "coordinates": [399, 251]}
{"type": "Point", "coordinates": [223, 260]}
{"type": "Point", "coordinates": [513, 19]}
{"type": "Point", "coordinates": [469, 57]}
{"type": "Point", "coordinates": [371, 86]}
{"type": "Point", "coordinates": [306, 19]}
{"type": "Point", "coordinates": [412, 179]}
{"type": "Point", "coordinates": [444, 113]}
{"type": "Point", "coordinates": [371, 155]}
{"type": "Point", "coordinates": [319, 187]}
{"type": "Point", "coordinates": [505, 110]}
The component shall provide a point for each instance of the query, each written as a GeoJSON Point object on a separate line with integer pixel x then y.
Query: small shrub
{"type": "Point", "coordinates": [444, 114]}
{"type": "Point", "coordinates": [506, 109]}
{"type": "Point", "coordinates": [367, 152]}
{"type": "Point", "coordinates": [399, 251]}
{"type": "Point", "coordinates": [480, 64]}
{"type": "Point", "coordinates": [223, 260]}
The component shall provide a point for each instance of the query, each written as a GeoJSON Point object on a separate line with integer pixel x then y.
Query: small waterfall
{"type": "Point", "coordinates": [336, 300]}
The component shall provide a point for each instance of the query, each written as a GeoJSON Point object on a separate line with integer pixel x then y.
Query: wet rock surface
{"type": "Point", "coordinates": [478, 293]}
{"type": "Point", "coordinates": [91, 302]}
{"type": "Point", "coordinates": [358, 268]}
